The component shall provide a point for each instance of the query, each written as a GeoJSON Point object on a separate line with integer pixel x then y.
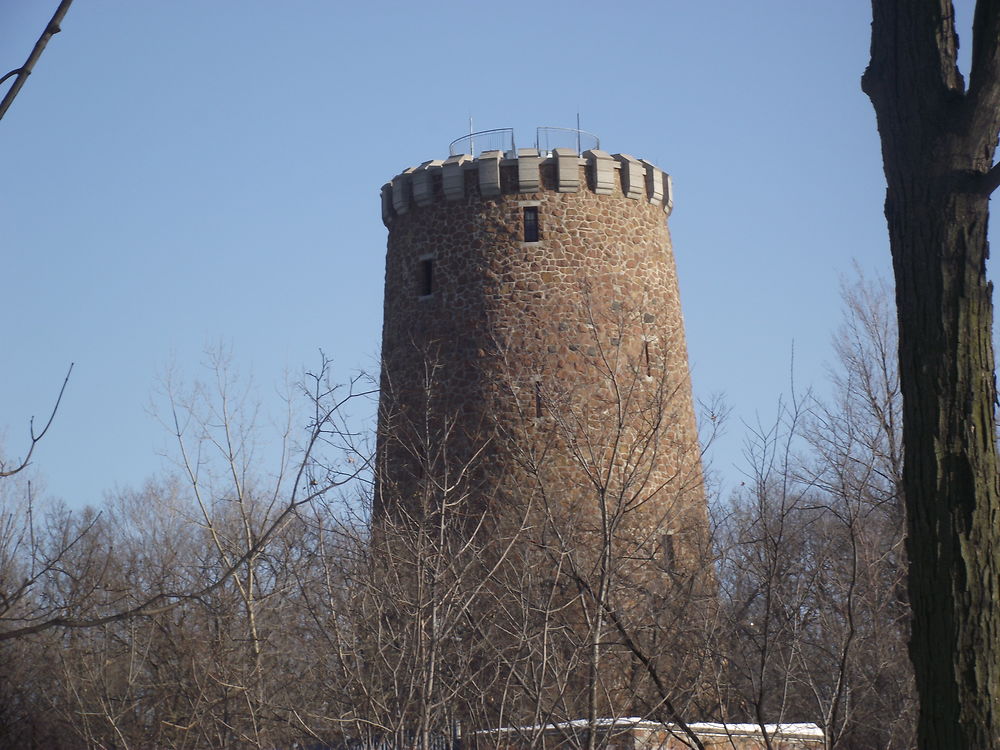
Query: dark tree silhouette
{"type": "Point", "coordinates": [938, 137]}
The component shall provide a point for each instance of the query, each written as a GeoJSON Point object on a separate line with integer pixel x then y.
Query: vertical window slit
{"type": "Point", "coordinates": [669, 552]}
{"type": "Point", "coordinates": [538, 399]}
{"type": "Point", "coordinates": [645, 351]}
{"type": "Point", "coordinates": [426, 278]}
{"type": "Point", "coordinates": [531, 231]}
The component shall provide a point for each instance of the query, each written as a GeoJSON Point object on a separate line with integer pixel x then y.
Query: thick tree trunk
{"type": "Point", "coordinates": [937, 144]}
{"type": "Point", "coordinates": [950, 477]}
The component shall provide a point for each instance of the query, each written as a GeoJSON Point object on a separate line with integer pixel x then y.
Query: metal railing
{"type": "Point", "coordinates": [502, 139]}
{"type": "Point", "coordinates": [547, 139]}
{"type": "Point", "coordinates": [499, 139]}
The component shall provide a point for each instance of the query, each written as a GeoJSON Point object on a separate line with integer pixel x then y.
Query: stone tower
{"type": "Point", "coordinates": [535, 378]}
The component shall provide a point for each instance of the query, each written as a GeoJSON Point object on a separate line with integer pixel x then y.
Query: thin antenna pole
{"type": "Point", "coordinates": [472, 141]}
{"type": "Point", "coordinates": [578, 133]}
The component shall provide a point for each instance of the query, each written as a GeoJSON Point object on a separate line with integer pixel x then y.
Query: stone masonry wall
{"type": "Point", "coordinates": [517, 330]}
{"type": "Point", "coordinates": [547, 375]}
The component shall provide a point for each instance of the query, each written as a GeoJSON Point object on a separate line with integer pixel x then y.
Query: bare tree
{"type": "Point", "coordinates": [765, 581]}
{"type": "Point", "coordinates": [609, 468]}
{"type": "Point", "coordinates": [550, 598]}
{"type": "Point", "coordinates": [812, 555]}
{"type": "Point", "coordinates": [168, 604]}
{"type": "Point", "coordinates": [855, 441]}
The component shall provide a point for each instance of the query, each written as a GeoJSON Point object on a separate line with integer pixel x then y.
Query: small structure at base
{"type": "Point", "coordinates": [642, 734]}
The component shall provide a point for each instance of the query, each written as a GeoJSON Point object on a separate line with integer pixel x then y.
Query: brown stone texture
{"type": "Point", "coordinates": [544, 386]}
{"type": "Point", "coordinates": [593, 306]}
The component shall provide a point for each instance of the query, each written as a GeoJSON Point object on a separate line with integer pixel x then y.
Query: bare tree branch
{"type": "Point", "coordinates": [6, 471]}
{"type": "Point", "coordinates": [24, 71]}
{"type": "Point", "coordinates": [991, 180]}
{"type": "Point", "coordinates": [300, 493]}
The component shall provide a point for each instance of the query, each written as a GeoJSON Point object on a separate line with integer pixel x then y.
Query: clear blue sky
{"type": "Point", "coordinates": [178, 174]}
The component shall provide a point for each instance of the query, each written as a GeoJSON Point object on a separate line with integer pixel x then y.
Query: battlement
{"type": "Point", "coordinates": [494, 173]}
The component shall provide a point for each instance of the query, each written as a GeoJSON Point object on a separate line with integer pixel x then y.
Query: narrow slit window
{"type": "Point", "coordinates": [669, 552]}
{"type": "Point", "coordinates": [649, 367]}
{"type": "Point", "coordinates": [426, 277]}
{"type": "Point", "coordinates": [531, 229]}
{"type": "Point", "coordinates": [538, 399]}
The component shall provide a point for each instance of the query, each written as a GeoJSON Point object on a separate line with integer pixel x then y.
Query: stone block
{"type": "Point", "coordinates": [489, 173]}
{"type": "Point", "coordinates": [602, 171]}
{"type": "Point", "coordinates": [633, 176]}
{"type": "Point", "coordinates": [528, 180]}
{"type": "Point", "coordinates": [422, 182]}
{"type": "Point", "coordinates": [567, 169]}
{"type": "Point", "coordinates": [401, 190]}
{"type": "Point", "coordinates": [453, 176]}
{"type": "Point", "coordinates": [387, 203]}
{"type": "Point", "coordinates": [654, 183]}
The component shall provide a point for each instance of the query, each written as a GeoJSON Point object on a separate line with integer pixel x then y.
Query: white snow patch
{"type": "Point", "coordinates": [790, 730]}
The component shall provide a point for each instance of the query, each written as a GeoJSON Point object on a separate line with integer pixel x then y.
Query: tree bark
{"type": "Point", "coordinates": [938, 140]}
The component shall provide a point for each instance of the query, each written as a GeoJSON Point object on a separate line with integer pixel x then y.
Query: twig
{"type": "Point", "coordinates": [36, 438]}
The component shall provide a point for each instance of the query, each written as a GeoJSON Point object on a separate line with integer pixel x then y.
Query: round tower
{"type": "Point", "coordinates": [534, 372]}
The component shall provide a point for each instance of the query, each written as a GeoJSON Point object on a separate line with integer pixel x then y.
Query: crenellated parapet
{"type": "Point", "coordinates": [464, 177]}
